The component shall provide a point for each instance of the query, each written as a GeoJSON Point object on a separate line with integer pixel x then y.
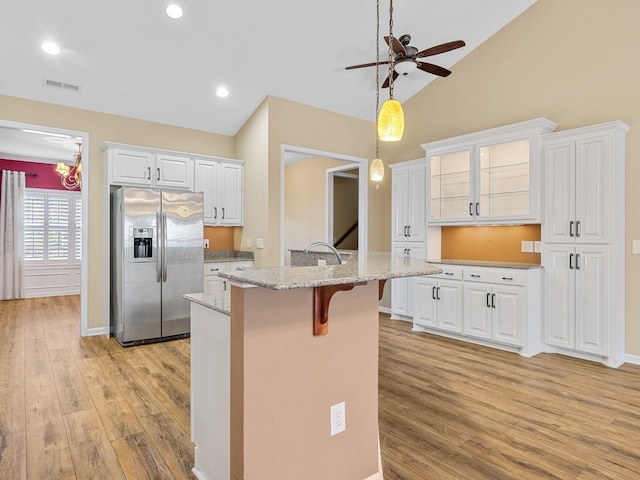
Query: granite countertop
{"type": "Point", "coordinates": [483, 263]}
{"type": "Point", "coordinates": [220, 302]}
{"type": "Point", "coordinates": [358, 268]}
{"type": "Point", "coordinates": [228, 256]}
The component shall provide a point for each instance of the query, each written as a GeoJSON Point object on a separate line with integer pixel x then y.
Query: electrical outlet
{"type": "Point", "coordinates": [338, 419]}
{"type": "Point", "coordinates": [322, 262]}
{"type": "Point", "coordinates": [526, 246]}
{"type": "Point", "coordinates": [259, 242]}
{"type": "Point", "coordinates": [248, 242]}
{"type": "Point", "coordinates": [537, 246]}
{"type": "Point", "coordinates": [206, 243]}
{"type": "Point", "coordinates": [635, 247]}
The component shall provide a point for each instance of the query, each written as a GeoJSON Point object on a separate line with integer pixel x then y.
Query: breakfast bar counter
{"type": "Point", "coordinates": [265, 378]}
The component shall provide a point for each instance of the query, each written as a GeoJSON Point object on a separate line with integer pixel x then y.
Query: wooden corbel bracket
{"type": "Point", "coordinates": [322, 297]}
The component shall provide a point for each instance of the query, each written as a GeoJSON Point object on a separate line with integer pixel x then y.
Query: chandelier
{"type": "Point", "coordinates": [71, 177]}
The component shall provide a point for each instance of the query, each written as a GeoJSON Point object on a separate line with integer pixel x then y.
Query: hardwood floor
{"type": "Point", "coordinates": [86, 408]}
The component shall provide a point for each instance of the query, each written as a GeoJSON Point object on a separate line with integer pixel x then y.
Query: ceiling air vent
{"type": "Point", "coordinates": [62, 85]}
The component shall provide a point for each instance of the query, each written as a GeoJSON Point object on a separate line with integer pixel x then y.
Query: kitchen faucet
{"type": "Point", "coordinates": [329, 246]}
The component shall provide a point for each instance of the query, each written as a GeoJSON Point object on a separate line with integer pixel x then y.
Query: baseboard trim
{"type": "Point", "coordinates": [634, 359]}
{"type": "Point", "coordinates": [386, 310]}
{"type": "Point", "coordinates": [96, 331]}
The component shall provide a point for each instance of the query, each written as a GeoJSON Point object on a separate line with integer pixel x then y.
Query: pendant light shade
{"type": "Point", "coordinates": [391, 121]}
{"type": "Point", "coordinates": [376, 171]}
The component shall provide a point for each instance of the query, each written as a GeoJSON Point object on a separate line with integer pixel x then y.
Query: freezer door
{"type": "Point", "coordinates": [140, 280]}
{"type": "Point", "coordinates": [182, 223]}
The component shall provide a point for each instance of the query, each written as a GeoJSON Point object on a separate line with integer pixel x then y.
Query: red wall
{"type": "Point", "coordinates": [47, 176]}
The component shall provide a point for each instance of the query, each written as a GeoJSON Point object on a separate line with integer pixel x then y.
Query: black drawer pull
{"type": "Point", "coordinates": [448, 273]}
{"type": "Point", "coordinates": [507, 278]}
{"type": "Point", "coordinates": [475, 276]}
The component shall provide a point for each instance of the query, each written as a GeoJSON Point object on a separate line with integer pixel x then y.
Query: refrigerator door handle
{"type": "Point", "coordinates": [164, 247]}
{"type": "Point", "coordinates": [159, 237]}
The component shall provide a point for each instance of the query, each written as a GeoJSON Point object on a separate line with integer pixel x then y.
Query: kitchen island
{"type": "Point", "coordinates": [298, 341]}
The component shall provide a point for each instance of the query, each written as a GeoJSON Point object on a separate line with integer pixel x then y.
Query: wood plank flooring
{"type": "Point", "coordinates": [86, 408]}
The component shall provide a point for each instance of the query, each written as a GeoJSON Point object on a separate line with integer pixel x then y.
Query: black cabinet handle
{"type": "Point", "coordinates": [223, 213]}
{"type": "Point", "coordinates": [477, 209]}
{"type": "Point", "coordinates": [507, 278]}
{"type": "Point", "coordinates": [571, 261]}
{"type": "Point", "coordinates": [578, 228]}
{"type": "Point", "coordinates": [488, 297]}
{"type": "Point", "coordinates": [571, 228]}
{"type": "Point", "coordinates": [493, 301]}
{"type": "Point", "coordinates": [577, 261]}
{"type": "Point", "coordinates": [475, 276]}
{"type": "Point", "coordinates": [158, 170]}
{"type": "Point", "coordinates": [408, 230]}
{"type": "Point", "coordinates": [448, 273]}
{"type": "Point", "coordinates": [438, 293]}
{"type": "Point", "coordinates": [433, 293]}
{"type": "Point", "coordinates": [215, 213]}
{"type": "Point", "coordinates": [470, 211]}
{"type": "Point", "coordinates": [148, 173]}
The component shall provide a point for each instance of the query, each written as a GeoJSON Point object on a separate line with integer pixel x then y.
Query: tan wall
{"type": "Point", "coordinates": [102, 127]}
{"type": "Point", "coordinates": [572, 61]}
{"type": "Point", "coordinates": [498, 244]}
{"type": "Point", "coordinates": [252, 146]}
{"type": "Point", "coordinates": [305, 202]}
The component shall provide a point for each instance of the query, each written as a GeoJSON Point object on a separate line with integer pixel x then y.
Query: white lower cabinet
{"type": "Point", "coordinates": [438, 302]}
{"type": "Point", "coordinates": [577, 298]}
{"type": "Point", "coordinates": [402, 288]}
{"type": "Point", "coordinates": [214, 285]}
{"type": "Point", "coordinates": [498, 307]}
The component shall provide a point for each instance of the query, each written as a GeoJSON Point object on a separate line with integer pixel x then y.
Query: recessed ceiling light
{"type": "Point", "coordinates": [174, 11]}
{"type": "Point", "coordinates": [222, 92]}
{"type": "Point", "coordinates": [50, 48]}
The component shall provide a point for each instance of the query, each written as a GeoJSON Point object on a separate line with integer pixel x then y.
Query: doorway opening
{"type": "Point", "coordinates": [305, 215]}
{"type": "Point", "coordinates": [24, 144]}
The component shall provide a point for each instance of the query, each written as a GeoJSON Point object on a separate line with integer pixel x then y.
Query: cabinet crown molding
{"type": "Point", "coordinates": [107, 145]}
{"type": "Point", "coordinates": [537, 125]}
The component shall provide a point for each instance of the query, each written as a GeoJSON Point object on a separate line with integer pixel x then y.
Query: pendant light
{"type": "Point", "coordinates": [391, 115]}
{"type": "Point", "coordinates": [376, 171]}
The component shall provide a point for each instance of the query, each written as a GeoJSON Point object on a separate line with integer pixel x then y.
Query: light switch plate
{"type": "Point", "coordinates": [206, 243]}
{"type": "Point", "coordinates": [635, 247]}
{"type": "Point", "coordinates": [537, 246]}
{"type": "Point", "coordinates": [259, 242]}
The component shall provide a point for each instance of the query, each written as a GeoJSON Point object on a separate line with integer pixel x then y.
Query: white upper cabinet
{"type": "Point", "coordinates": [408, 185]}
{"type": "Point", "coordinates": [222, 183]}
{"type": "Point", "coordinates": [580, 168]}
{"type": "Point", "coordinates": [491, 176]}
{"type": "Point", "coordinates": [131, 165]}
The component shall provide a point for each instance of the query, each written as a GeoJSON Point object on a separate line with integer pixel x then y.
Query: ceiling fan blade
{"type": "Point", "coordinates": [435, 69]}
{"type": "Point", "coordinates": [445, 47]}
{"type": "Point", "coordinates": [372, 64]}
{"type": "Point", "coordinates": [395, 45]}
{"type": "Point", "coordinates": [387, 81]}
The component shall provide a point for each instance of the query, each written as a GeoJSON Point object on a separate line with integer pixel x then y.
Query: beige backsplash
{"type": "Point", "coordinates": [220, 238]}
{"type": "Point", "coordinates": [492, 243]}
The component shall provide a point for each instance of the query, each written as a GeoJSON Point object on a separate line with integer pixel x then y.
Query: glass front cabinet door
{"type": "Point", "coordinates": [491, 176]}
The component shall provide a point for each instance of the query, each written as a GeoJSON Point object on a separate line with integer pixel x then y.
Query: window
{"type": "Point", "coordinates": [52, 227]}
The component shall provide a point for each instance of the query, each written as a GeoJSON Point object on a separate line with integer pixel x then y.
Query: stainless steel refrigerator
{"type": "Point", "coordinates": [156, 257]}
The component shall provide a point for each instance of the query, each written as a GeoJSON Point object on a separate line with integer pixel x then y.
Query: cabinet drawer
{"type": "Point", "coordinates": [502, 276]}
{"type": "Point", "coordinates": [449, 271]}
{"type": "Point", "coordinates": [213, 268]}
{"type": "Point", "coordinates": [233, 266]}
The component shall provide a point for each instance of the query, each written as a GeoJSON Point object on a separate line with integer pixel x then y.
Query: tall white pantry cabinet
{"type": "Point", "coordinates": [584, 242]}
{"type": "Point", "coordinates": [408, 226]}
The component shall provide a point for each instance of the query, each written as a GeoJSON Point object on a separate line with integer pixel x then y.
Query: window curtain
{"type": "Point", "coordinates": [11, 235]}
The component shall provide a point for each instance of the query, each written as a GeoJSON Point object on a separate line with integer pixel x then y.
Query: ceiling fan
{"type": "Point", "coordinates": [408, 58]}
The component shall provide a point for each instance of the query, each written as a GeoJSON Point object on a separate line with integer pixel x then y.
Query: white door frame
{"type": "Point", "coordinates": [85, 208]}
{"type": "Point", "coordinates": [292, 154]}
